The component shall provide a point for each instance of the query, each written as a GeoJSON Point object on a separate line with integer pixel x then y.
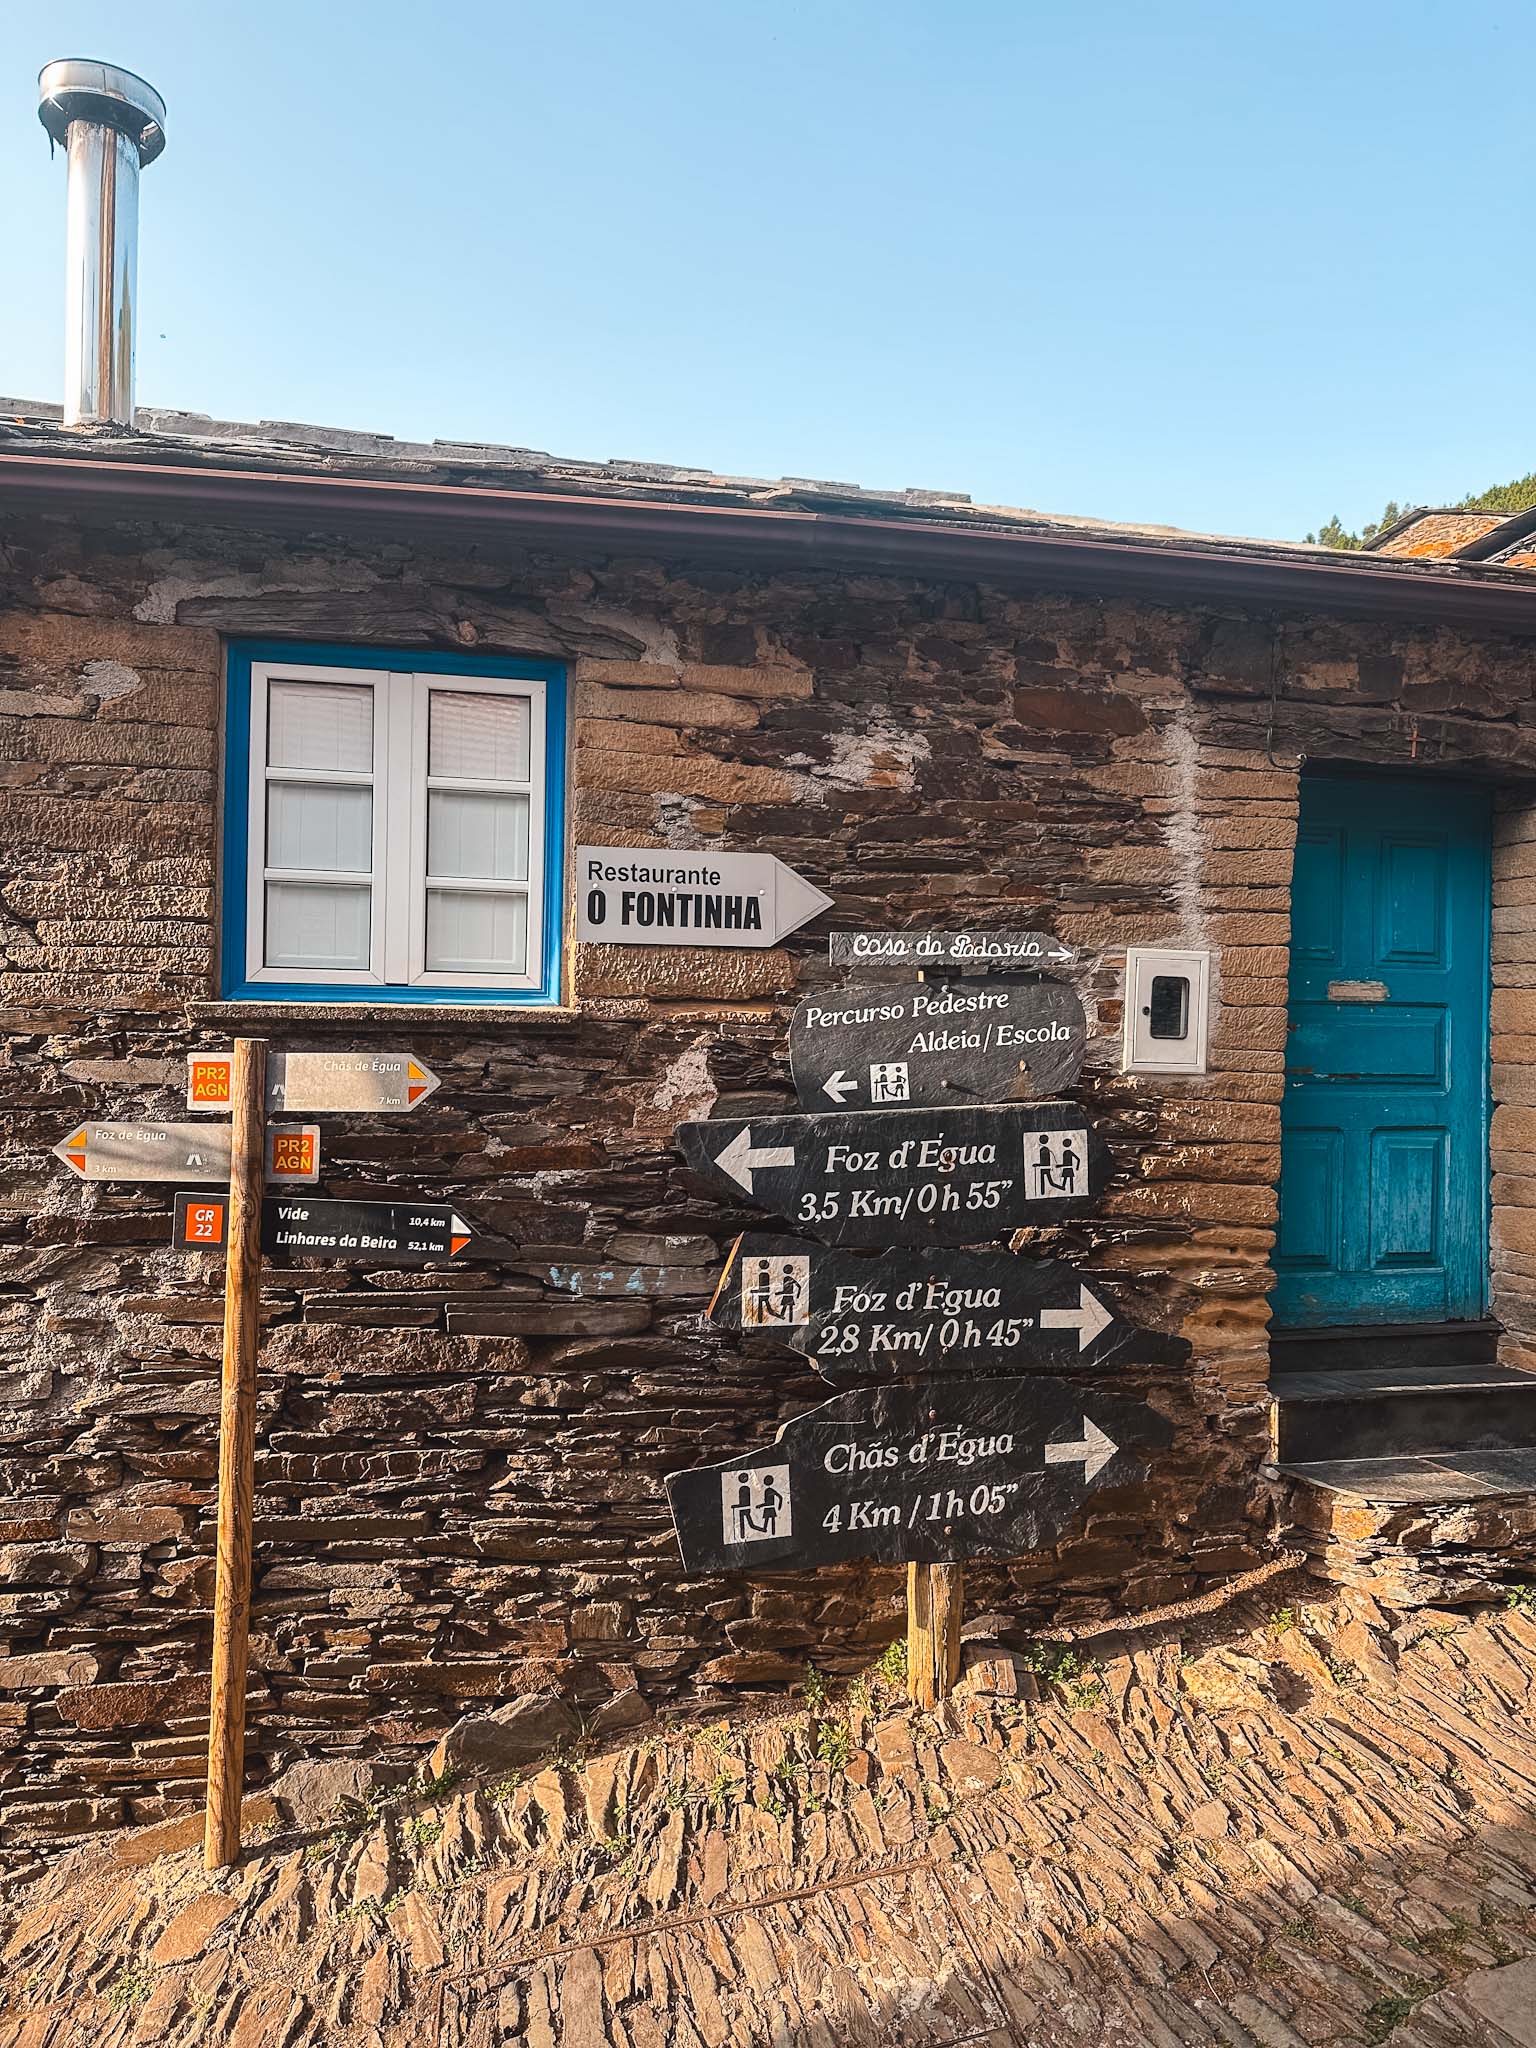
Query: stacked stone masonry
{"type": "Point", "coordinates": [459, 1472]}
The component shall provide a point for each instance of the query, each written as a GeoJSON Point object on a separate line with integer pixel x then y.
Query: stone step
{"type": "Point", "coordinates": [1351, 1347]}
{"type": "Point", "coordinates": [1424, 1479]}
{"type": "Point", "coordinates": [1379, 1411]}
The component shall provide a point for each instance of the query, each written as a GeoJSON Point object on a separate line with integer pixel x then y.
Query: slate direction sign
{"type": "Point", "coordinates": [389, 1233]}
{"type": "Point", "coordinates": [907, 1176]}
{"type": "Point", "coordinates": [936, 1044]}
{"type": "Point", "coordinates": [928, 1312]}
{"type": "Point", "coordinates": [314, 1082]}
{"type": "Point", "coordinates": [195, 1152]}
{"type": "Point", "coordinates": [956, 952]}
{"type": "Point", "coordinates": [931, 1473]}
{"type": "Point", "coordinates": [653, 896]}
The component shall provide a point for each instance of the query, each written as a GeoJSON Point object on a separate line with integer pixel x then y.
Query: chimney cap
{"type": "Point", "coordinates": [81, 89]}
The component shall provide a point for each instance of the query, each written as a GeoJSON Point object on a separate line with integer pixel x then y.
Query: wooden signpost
{"type": "Point", "coordinates": [936, 1044]}
{"type": "Point", "coordinates": [952, 952]}
{"type": "Point", "coordinates": [384, 1233]}
{"type": "Point", "coordinates": [927, 1472]}
{"type": "Point", "coordinates": [237, 1454]}
{"type": "Point", "coordinates": [907, 1176]}
{"type": "Point", "coordinates": [928, 1312]}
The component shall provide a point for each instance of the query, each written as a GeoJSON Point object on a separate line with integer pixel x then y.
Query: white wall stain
{"type": "Point", "coordinates": [1184, 836]}
{"type": "Point", "coordinates": [883, 756]}
{"type": "Point", "coordinates": [105, 680]}
{"type": "Point", "coordinates": [685, 1090]}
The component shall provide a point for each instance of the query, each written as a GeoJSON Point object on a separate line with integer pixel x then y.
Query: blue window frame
{"type": "Point", "coordinates": [394, 826]}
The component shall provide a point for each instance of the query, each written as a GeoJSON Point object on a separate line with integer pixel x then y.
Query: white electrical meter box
{"type": "Point", "coordinates": [1166, 999]}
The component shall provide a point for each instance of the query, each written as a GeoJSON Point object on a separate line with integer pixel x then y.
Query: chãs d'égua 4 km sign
{"type": "Point", "coordinates": [936, 1044]}
{"type": "Point", "coordinates": [907, 1176]}
{"type": "Point", "coordinates": [931, 1473]}
{"type": "Point", "coordinates": [653, 896]}
{"type": "Point", "coordinates": [900, 1313]}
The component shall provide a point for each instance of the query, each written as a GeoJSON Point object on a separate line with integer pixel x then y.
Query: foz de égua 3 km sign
{"type": "Point", "coordinates": [907, 1176]}
{"type": "Point", "coordinates": [931, 1473]}
{"type": "Point", "coordinates": [652, 896]}
{"type": "Point", "coordinates": [936, 1044]}
{"type": "Point", "coordinates": [907, 1312]}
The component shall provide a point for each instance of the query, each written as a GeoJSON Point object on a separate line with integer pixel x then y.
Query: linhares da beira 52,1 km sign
{"type": "Point", "coordinates": [907, 1176]}
{"type": "Point", "coordinates": [653, 896]}
{"type": "Point", "coordinates": [929, 1473]}
{"type": "Point", "coordinates": [936, 1044]}
{"type": "Point", "coordinates": [930, 1312]}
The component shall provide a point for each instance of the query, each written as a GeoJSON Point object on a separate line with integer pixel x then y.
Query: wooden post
{"type": "Point", "coordinates": [935, 1608]}
{"type": "Point", "coordinates": [237, 1453]}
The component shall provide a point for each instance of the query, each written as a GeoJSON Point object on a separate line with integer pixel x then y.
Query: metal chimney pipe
{"type": "Point", "coordinates": [110, 124]}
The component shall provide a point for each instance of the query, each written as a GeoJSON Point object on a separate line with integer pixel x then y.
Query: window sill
{"type": "Point", "coordinates": [253, 1010]}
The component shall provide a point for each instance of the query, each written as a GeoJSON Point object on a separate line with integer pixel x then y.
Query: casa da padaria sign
{"type": "Point", "coordinates": [952, 952]}
{"type": "Point", "coordinates": [907, 1176]}
{"type": "Point", "coordinates": [930, 1312]}
{"type": "Point", "coordinates": [930, 1473]}
{"type": "Point", "coordinates": [936, 1044]}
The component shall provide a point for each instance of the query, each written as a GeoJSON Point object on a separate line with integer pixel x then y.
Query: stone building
{"type": "Point", "coordinates": [239, 667]}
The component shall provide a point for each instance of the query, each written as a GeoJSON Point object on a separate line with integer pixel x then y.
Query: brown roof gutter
{"type": "Point", "coordinates": [1216, 573]}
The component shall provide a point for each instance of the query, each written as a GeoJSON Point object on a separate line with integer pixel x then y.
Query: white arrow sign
{"type": "Point", "coordinates": [1093, 1451]}
{"type": "Point", "coordinates": [741, 1157]}
{"type": "Point", "coordinates": [1090, 1318]}
{"type": "Point", "coordinates": [840, 1086]}
{"type": "Point", "coordinates": [651, 896]}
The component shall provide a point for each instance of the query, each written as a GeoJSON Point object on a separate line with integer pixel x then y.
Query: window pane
{"type": "Point", "coordinates": [320, 725]}
{"type": "Point", "coordinates": [483, 739]}
{"type": "Point", "coordinates": [481, 836]}
{"type": "Point", "coordinates": [320, 825]}
{"type": "Point", "coordinates": [317, 924]}
{"type": "Point", "coordinates": [479, 931]}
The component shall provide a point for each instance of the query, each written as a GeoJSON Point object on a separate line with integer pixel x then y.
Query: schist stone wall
{"type": "Point", "coordinates": [459, 1472]}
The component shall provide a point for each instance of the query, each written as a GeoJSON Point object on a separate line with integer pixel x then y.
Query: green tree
{"type": "Point", "coordinates": [1509, 498]}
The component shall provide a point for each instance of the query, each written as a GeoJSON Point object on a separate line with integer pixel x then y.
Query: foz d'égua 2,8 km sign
{"type": "Point", "coordinates": [907, 1176]}
{"type": "Point", "coordinates": [919, 1473]}
{"type": "Point", "coordinates": [936, 1044]}
{"type": "Point", "coordinates": [906, 1312]}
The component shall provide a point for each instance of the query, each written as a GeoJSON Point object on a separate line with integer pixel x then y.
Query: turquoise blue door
{"type": "Point", "coordinates": [1384, 1123]}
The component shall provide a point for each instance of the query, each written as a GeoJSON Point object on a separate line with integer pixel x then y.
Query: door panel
{"type": "Point", "coordinates": [1383, 1180]}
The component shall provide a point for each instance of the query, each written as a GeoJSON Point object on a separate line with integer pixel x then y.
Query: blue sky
{"type": "Point", "coordinates": [1225, 266]}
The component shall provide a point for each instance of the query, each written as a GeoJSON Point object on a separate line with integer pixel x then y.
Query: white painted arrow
{"type": "Point", "coordinates": [741, 1157]}
{"type": "Point", "coordinates": [1093, 1451]}
{"type": "Point", "coordinates": [1090, 1318]}
{"type": "Point", "coordinates": [840, 1086]}
{"type": "Point", "coordinates": [1062, 953]}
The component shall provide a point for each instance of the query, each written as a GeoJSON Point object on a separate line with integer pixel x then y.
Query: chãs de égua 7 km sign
{"type": "Point", "coordinates": [906, 1176]}
{"type": "Point", "coordinates": [312, 1083]}
{"type": "Point", "coordinates": [936, 1044]}
{"type": "Point", "coordinates": [928, 1472]}
{"type": "Point", "coordinates": [654, 896]}
{"type": "Point", "coordinates": [904, 1312]}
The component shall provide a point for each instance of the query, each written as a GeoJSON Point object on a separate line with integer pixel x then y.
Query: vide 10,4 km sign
{"type": "Point", "coordinates": [907, 1176]}
{"type": "Point", "coordinates": [928, 1473]}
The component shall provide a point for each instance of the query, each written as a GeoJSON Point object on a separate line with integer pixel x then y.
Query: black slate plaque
{"type": "Point", "coordinates": [936, 1044]}
{"type": "Point", "coordinates": [908, 1312]}
{"type": "Point", "coordinates": [933, 1474]}
{"type": "Point", "coordinates": [953, 952]}
{"type": "Point", "coordinates": [907, 1176]}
